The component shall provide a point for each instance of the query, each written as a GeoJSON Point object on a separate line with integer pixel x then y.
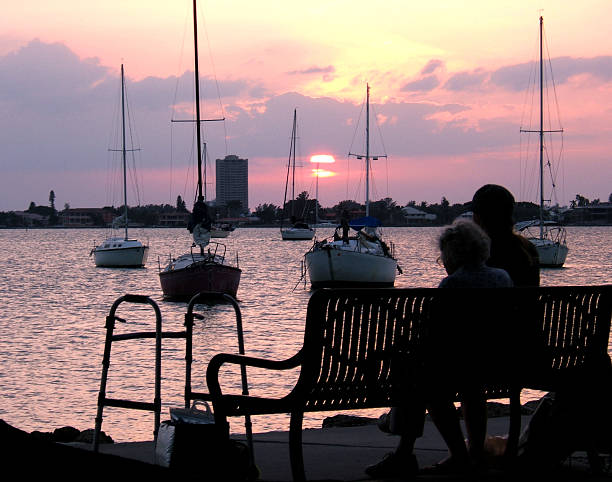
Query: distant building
{"type": "Point", "coordinates": [597, 214]}
{"type": "Point", "coordinates": [232, 181]}
{"type": "Point", "coordinates": [32, 219]}
{"type": "Point", "coordinates": [414, 216]}
{"type": "Point", "coordinates": [175, 219]}
{"type": "Point", "coordinates": [81, 217]}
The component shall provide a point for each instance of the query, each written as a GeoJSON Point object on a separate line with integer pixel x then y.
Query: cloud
{"type": "Point", "coordinates": [425, 84]}
{"type": "Point", "coordinates": [48, 77]}
{"type": "Point", "coordinates": [466, 80]}
{"type": "Point", "coordinates": [516, 77]}
{"type": "Point", "coordinates": [330, 69]}
{"type": "Point", "coordinates": [56, 111]}
{"type": "Point", "coordinates": [73, 114]}
{"type": "Point", "coordinates": [428, 81]}
{"type": "Point", "coordinates": [156, 92]}
{"type": "Point", "coordinates": [432, 66]}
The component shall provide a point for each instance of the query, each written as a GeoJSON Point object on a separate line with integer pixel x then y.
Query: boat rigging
{"type": "Point", "coordinates": [202, 270]}
{"type": "Point", "coordinates": [117, 251]}
{"type": "Point", "coordinates": [551, 241]}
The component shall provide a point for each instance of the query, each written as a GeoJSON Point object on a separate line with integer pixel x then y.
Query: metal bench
{"type": "Point", "coordinates": [368, 348]}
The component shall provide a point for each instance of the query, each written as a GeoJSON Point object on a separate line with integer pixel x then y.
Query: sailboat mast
{"type": "Point", "coordinates": [367, 149]}
{"type": "Point", "coordinates": [541, 134]}
{"type": "Point", "coordinates": [125, 208]}
{"type": "Point", "coordinates": [197, 100]}
{"type": "Point", "coordinates": [292, 159]}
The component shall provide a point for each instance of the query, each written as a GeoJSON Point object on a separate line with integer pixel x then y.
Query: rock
{"type": "Point", "coordinates": [347, 421]}
{"type": "Point", "coordinates": [86, 436]}
{"type": "Point", "coordinates": [42, 436]}
{"type": "Point", "coordinates": [70, 434]}
{"type": "Point", "coordinates": [65, 434]}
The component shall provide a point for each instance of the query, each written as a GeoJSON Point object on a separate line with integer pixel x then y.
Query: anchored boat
{"type": "Point", "coordinates": [549, 241]}
{"type": "Point", "coordinates": [205, 267]}
{"type": "Point", "coordinates": [122, 251]}
{"type": "Point", "coordinates": [298, 230]}
{"type": "Point", "coordinates": [363, 259]}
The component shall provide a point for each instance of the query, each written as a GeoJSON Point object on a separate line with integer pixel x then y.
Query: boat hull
{"type": "Point", "coordinates": [337, 267]}
{"type": "Point", "coordinates": [124, 257]}
{"type": "Point", "coordinates": [296, 234]}
{"type": "Point", "coordinates": [552, 254]}
{"type": "Point", "coordinates": [184, 283]}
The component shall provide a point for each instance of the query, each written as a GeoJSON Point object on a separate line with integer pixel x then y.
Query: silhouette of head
{"type": "Point", "coordinates": [493, 208]}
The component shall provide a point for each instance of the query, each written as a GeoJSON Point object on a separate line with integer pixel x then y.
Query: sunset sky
{"type": "Point", "coordinates": [449, 89]}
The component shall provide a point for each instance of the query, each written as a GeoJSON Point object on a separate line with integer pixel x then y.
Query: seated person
{"type": "Point", "coordinates": [464, 249]}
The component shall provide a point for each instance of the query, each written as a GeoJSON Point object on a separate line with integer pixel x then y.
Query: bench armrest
{"type": "Point", "coordinates": [212, 371]}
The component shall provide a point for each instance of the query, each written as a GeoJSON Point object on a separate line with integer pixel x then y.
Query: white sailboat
{"type": "Point", "coordinates": [121, 251]}
{"type": "Point", "coordinates": [298, 230]}
{"type": "Point", "coordinates": [550, 241]}
{"type": "Point", "coordinates": [360, 260]}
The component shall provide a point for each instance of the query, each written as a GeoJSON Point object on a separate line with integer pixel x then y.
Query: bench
{"type": "Point", "coordinates": [371, 348]}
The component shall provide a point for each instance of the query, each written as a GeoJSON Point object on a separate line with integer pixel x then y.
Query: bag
{"type": "Point", "coordinates": [174, 435]}
{"type": "Point", "coordinates": [193, 414]}
{"type": "Point", "coordinates": [164, 444]}
{"type": "Point", "coordinates": [191, 442]}
{"type": "Point", "coordinates": [553, 433]}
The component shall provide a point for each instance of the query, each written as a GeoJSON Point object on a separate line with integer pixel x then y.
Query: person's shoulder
{"type": "Point", "coordinates": [445, 283]}
{"type": "Point", "coordinates": [528, 245]}
{"type": "Point", "coordinates": [503, 279]}
{"type": "Point", "coordinates": [529, 248]}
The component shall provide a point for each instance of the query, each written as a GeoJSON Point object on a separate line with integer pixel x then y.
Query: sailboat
{"type": "Point", "coordinates": [298, 230]}
{"type": "Point", "coordinates": [121, 251]}
{"type": "Point", "coordinates": [205, 267]}
{"type": "Point", "coordinates": [550, 241]}
{"type": "Point", "coordinates": [360, 260]}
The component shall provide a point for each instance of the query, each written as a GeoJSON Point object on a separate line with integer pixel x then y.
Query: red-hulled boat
{"type": "Point", "coordinates": [192, 273]}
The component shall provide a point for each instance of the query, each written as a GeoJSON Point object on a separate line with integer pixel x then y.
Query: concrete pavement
{"type": "Point", "coordinates": [342, 453]}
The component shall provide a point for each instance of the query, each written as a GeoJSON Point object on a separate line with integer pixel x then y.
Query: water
{"type": "Point", "coordinates": [54, 304]}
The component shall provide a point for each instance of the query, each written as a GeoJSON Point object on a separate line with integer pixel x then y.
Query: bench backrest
{"type": "Point", "coordinates": [353, 340]}
{"type": "Point", "coordinates": [366, 347]}
{"type": "Point", "coordinates": [574, 329]}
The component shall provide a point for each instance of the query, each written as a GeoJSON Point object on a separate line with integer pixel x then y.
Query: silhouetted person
{"type": "Point", "coordinates": [493, 209]}
{"type": "Point", "coordinates": [344, 224]}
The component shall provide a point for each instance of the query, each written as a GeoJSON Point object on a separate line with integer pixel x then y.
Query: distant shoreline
{"type": "Point", "coordinates": [581, 225]}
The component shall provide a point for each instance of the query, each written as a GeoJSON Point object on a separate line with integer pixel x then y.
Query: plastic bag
{"type": "Point", "coordinates": [193, 414]}
{"type": "Point", "coordinates": [187, 429]}
{"type": "Point", "coordinates": [191, 443]}
{"type": "Point", "coordinates": [164, 444]}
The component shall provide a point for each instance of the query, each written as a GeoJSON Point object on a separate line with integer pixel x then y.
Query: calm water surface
{"type": "Point", "coordinates": [54, 302]}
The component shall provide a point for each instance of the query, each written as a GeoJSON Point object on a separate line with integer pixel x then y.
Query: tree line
{"type": "Point", "coordinates": [387, 210]}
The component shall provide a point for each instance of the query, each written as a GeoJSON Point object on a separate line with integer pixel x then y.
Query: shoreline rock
{"type": "Point", "coordinates": [494, 409]}
{"type": "Point", "coordinates": [69, 435]}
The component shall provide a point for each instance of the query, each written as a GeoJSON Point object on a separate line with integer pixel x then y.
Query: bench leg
{"type": "Point", "coordinates": [296, 455]}
{"type": "Point", "coordinates": [515, 425]}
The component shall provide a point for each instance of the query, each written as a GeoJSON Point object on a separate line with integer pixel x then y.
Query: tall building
{"type": "Point", "coordinates": [232, 181]}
